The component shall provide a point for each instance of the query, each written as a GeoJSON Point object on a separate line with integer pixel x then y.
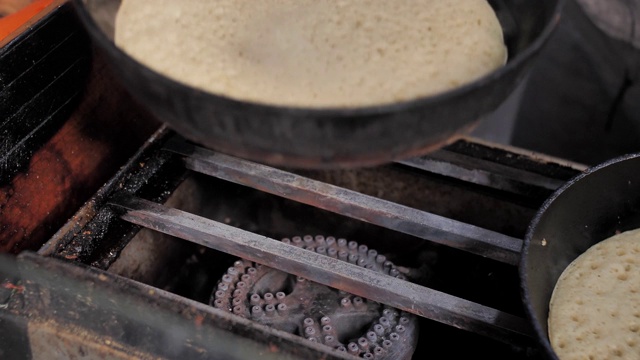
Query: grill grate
{"type": "Point", "coordinates": [329, 271]}
{"type": "Point", "coordinates": [350, 203]}
{"type": "Point", "coordinates": [133, 200]}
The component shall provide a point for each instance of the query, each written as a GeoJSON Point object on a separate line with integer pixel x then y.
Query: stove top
{"type": "Point", "coordinates": [124, 240]}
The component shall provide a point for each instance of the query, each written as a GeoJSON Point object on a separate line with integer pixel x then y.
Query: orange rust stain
{"type": "Point", "coordinates": [11, 286]}
{"type": "Point", "coordinates": [26, 15]}
{"type": "Point", "coordinates": [55, 171]}
{"type": "Point", "coordinates": [198, 320]}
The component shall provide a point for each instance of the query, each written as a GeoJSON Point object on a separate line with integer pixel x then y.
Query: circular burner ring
{"type": "Point", "coordinates": [317, 312]}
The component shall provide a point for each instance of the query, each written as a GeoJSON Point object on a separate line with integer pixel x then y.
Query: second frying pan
{"type": "Point", "coordinates": [588, 209]}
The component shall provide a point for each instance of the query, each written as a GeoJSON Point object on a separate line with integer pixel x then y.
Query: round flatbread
{"type": "Point", "coordinates": [594, 311]}
{"type": "Point", "coordinates": [314, 53]}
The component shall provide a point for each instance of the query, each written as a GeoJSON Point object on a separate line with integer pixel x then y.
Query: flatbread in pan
{"type": "Point", "coordinates": [594, 312]}
{"type": "Point", "coordinates": [315, 53]}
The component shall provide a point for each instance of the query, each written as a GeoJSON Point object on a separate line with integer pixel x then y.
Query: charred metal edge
{"type": "Point", "coordinates": [379, 287]}
{"type": "Point", "coordinates": [42, 74]}
{"type": "Point", "coordinates": [531, 178]}
{"type": "Point", "coordinates": [88, 236]}
{"type": "Point", "coordinates": [350, 203]}
{"type": "Point", "coordinates": [486, 173]}
{"type": "Point", "coordinates": [117, 311]}
{"type": "Point", "coordinates": [517, 158]}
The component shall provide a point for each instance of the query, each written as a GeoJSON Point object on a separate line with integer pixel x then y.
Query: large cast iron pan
{"type": "Point", "coordinates": [337, 137]}
{"type": "Point", "coordinates": [589, 208]}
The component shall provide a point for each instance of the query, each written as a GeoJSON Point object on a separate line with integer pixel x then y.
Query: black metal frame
{"type": "Point", "coordinates": [39, 75]}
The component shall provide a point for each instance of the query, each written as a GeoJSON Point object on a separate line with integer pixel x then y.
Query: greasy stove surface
{"type": "Point", "coordinates": [127, 259]}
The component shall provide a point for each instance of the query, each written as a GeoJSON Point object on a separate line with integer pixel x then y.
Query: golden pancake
{"type": "Point", "coordinates": [594, 311]}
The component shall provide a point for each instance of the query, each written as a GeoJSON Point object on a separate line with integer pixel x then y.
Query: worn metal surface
{"type": "Point", "coordinates": [329, 271]}
{"type": "Point", "coordinates": [158, 259]}
{"type": "Point", "coordinates": [463, 275]}
{"type": "Point", "coordinates": [350, 203]}
{"type": "Point", "coordinates": [317, 312]}
{"type": "Point", "coordinates": [517, 157]}
{"type": "Point", "coordinates": [483, 172]}
{"type": "Point", "coordinates": [92, 235]}
{"type": "Point", "coordinates": [14, 338]}
{"type": "Point", "coordinates": [102, 313]}
{"type": "Point", "coordinates": [64, 132]}
{"type": "Point", "coordinates": [52, 340]}
{"type": "Point", "coordinates": [42, 74]}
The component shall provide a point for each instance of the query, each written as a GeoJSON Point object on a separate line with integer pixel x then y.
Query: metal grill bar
{"type": "Point", "coordinates": [482, 172]}
{"type": "Point", "coordinates": [350, 203]}
{"type": "Point", "coordinates": [326, 270]}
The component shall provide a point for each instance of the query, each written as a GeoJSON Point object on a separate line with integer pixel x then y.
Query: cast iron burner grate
{"type": "Point", "coordinates": [517, 183]}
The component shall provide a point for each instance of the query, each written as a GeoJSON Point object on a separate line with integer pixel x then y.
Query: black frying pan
{"type": "Point", "coordinates": [589, 208]}
{"type": "Point", "coordinates": [338, 137]}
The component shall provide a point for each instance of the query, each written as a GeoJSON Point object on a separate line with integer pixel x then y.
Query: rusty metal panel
{"type": "Point", "coordinates": [116, 317]}
{"type": "Point", "coordinates": [51, 340]}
